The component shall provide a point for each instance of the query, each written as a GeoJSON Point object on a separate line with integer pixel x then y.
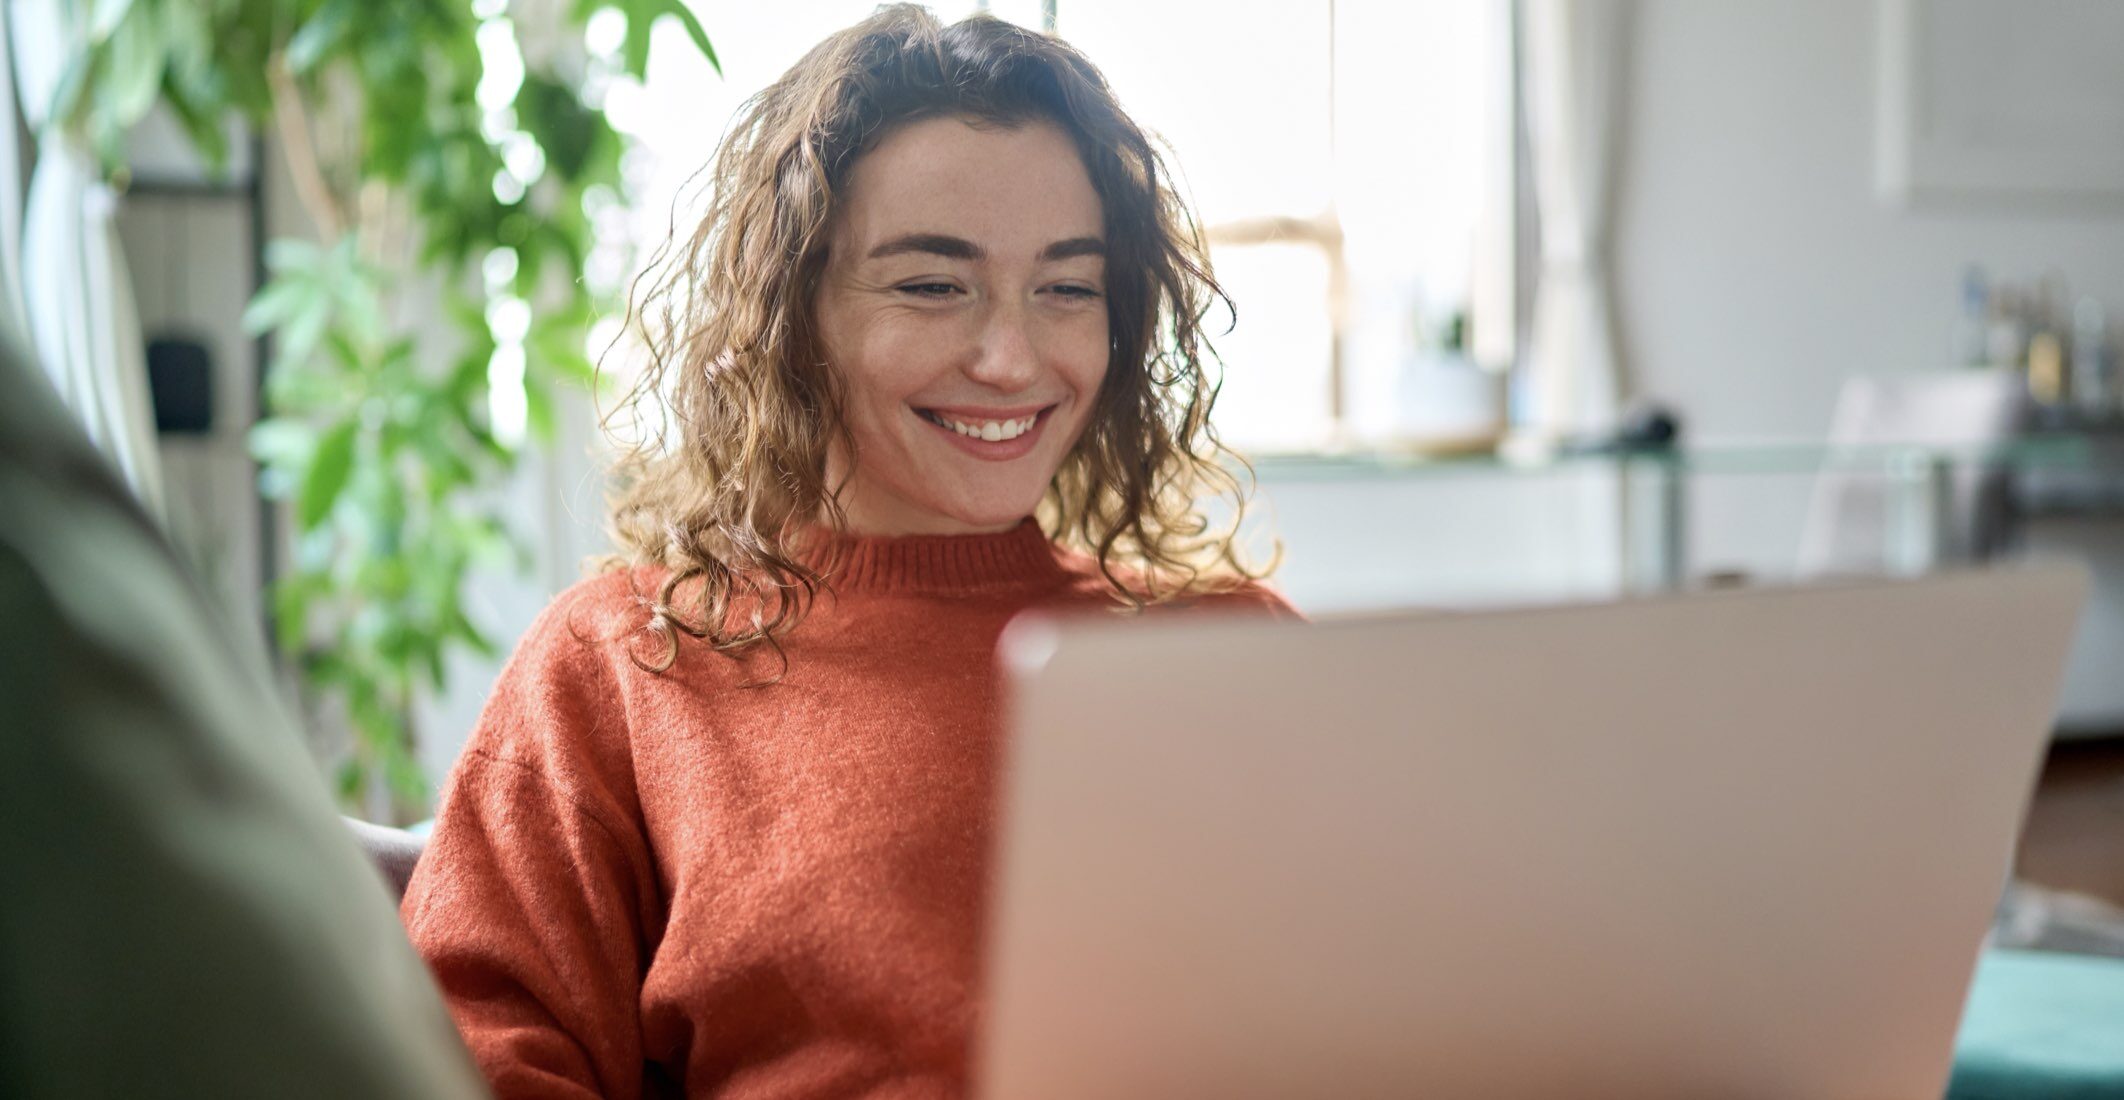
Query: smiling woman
{"type": "Point", "coordinates": [963, 303]}
{"type": "Point", "coordinates": [933, 352]}
{"type": "Point", "coordinates": [917, 221]}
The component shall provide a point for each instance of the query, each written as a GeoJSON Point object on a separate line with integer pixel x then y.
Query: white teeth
{"type": "Point", "coordinates": [992, 431]}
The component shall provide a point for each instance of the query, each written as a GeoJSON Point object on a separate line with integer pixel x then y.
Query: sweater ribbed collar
{"type": "Point", "coordinates": [1021, 557]}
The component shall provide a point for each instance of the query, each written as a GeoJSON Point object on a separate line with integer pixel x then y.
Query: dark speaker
{"type": "Point", "coordinates": [181, 378]}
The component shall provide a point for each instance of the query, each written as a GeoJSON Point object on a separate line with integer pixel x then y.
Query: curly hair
{"type": "Point", "coordinates": [737, 378]}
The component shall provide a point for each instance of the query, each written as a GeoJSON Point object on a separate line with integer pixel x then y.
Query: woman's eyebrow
{"type": "Point", "coordinates": [959, 248]}
{"type": "Point", "coordinates": [935, 244]}
{"type": "Point", "coordinates": [1073, 247]}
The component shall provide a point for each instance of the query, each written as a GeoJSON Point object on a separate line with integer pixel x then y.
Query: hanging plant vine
{"type": "Point", "coordinates": [456, 180]}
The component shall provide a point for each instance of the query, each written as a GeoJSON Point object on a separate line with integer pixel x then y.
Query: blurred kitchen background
{"type": "Point", "coordinates": [1536, 299]}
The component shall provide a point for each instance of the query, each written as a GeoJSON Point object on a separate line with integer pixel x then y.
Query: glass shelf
{"type": "Point", "coordinates": [1917, 483]}
{"type": "Point", "coordinates": [2034, 452]}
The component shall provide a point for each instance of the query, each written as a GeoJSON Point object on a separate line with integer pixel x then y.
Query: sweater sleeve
{"type": "Point", "coordinates": [534, 901]}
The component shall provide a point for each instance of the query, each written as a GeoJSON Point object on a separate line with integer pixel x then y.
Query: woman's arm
{"type": "Point", "coordinates": [536, 900]}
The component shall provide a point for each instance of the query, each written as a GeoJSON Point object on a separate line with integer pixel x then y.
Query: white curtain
{"type": "Point", "coordinates": [77, 293]}
{"type": "Point", "coordinates": [1574, 56]}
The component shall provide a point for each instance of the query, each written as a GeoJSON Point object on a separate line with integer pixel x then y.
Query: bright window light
{"type": "Point", "coordinates": [508, 411]}
{"type": "Point", "coordinates": [501, 64]}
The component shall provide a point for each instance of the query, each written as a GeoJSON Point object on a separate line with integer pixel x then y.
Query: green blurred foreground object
{"type": "Point", "coordinates": [184, 914]}
{"type": "Point", "coordinates": [2042, 1026]}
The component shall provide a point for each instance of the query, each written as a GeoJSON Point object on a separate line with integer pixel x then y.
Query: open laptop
{"type": "Point", "coordinates": [1732, 844]}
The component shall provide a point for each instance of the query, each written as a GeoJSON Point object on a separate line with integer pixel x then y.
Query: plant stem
{"type": "Point", "coordinates": [373, 201]}
{"type": "Point", "coordinates": [293, 125]}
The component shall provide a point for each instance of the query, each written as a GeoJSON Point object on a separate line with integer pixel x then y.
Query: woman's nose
{"type": "Point", "coordinates": [1007, 360]}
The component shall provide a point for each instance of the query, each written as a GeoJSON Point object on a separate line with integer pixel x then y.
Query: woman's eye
{"type": "Point", "coordinates": [1073, 291]}
{"type": "Point", "coordinates": [928, 290]}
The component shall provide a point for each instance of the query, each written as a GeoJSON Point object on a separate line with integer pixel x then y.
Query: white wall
{"type": "Point", "coordinates": [1757, 269]}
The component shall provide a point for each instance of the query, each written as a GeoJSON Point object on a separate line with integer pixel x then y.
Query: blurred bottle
{"type": "Point", "coordinates": [2049, 372]}
{"type": "Point", "coordinates": [2047, 380]}
{"type": "Point", "coordinates": [2005, 330]}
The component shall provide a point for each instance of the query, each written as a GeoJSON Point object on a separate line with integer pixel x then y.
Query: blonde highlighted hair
{"type": "Point", "coordinates": [736, 369]}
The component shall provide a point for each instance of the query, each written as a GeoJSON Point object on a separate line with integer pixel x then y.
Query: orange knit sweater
{"type": "Point", "coordinates": [672, 884]}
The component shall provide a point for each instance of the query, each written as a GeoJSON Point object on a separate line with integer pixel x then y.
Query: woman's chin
{"type": "Point", "coordinates": [979, 523]}
{"type": "Point", "coordinates": [999, 514]}
{"type": "Point", "coordinates": [940, 518]}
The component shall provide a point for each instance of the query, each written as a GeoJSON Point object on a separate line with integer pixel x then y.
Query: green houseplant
{"type": "Point", "coordinates": [441, 161]}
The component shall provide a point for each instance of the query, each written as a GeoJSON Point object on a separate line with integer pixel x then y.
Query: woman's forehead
{"type": "Point", "coordinates": [1011, 190]}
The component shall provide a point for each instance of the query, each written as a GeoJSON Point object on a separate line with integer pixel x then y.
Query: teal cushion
{"type": "Point", "coordinates": [2042, 1026]}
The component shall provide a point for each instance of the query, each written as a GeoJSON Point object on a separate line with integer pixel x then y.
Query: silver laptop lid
{"type": "Point", "coordinates": [1727, 844]}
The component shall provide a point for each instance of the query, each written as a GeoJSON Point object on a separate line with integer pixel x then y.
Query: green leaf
{"type": "Point", "coordinates": [300, 337]}
{"type": "Point", "coordinates": [459, 626]}
{"type": "Point", "coordinates": [695, 31]}
{"type": "Point", "coordinates": [279, 301]}
{"type": "Point", "coordinates": [291, 612]}
{"type": "Point", "coordinates": [552, 113]}
{"type": "Point", "coordinates": [288, 255]}
{"type": "Point", "coordinates": [281, 441]}
{"type": "Point", "coordinates": [200, 124]}
{"type": "Point", "coordinates": [106, 16]}
{"type": "Point", "coordinates": [634, 48]}
{"type": "Point", "coordinates": [344, 254]}
{"type": "Point", "coordinates": [438, 677]}
{"type": "Point", "coordinates": [189, 43]}
{"type": "Point", "coordinates": [316, 38]}
{"type": "Point", "coordinates": [361, 304]}
{"type": "Point", "coordinates": [642, 16]}
{"type": "Point", "coordinates": [135, 70]}
{"type": "Point", "coordinates": [402, 772]}
{"type": "Point", "coordinates": [538, 410]}
{"type": "Point", "coordinates": [352, 781]}
{"type": "Point", "coordinates": [327, 475]}
{"type": "Point", "coordinates": [342, 350]}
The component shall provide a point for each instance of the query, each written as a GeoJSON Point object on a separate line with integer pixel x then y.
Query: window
{"type": "Point", "coordinates": [1350, 159]}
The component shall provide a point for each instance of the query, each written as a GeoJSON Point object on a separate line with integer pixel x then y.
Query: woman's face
{"type": "Point", "coordinates": [963, 304]}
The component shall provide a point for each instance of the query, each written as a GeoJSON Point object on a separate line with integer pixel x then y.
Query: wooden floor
{"type": "Point", "coordinates": [2074, 839]}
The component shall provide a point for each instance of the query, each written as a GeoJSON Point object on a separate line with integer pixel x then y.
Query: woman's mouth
{"type": "Point", "coordinates": [996, 435]}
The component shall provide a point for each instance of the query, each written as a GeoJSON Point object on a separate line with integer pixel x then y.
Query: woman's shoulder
{"type": "Point", "coordinates": [578, 646]}
{"type": "Point", "coordinates": [605, 605]}
{"type": "Point", "coordinates": [559, 709]}
{"type": "Point", "coordinates": [582, 619]}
